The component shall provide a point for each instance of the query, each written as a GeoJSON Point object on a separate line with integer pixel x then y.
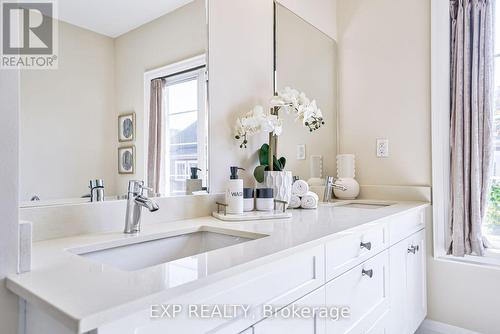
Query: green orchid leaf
{"type": "Point", "coordinates": [282, 160]}
{"type": "Point", "coordinates": [277, 164]}
{"type": "Point", "coordinates": [264, 154]}
{"type": "Point", "coordinates": [258, 173]}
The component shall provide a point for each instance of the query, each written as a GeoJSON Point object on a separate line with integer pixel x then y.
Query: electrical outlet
{"type": "Point", "coordinates": [301, 152]}
{"type": "Point", "coordinates": [382, 148]}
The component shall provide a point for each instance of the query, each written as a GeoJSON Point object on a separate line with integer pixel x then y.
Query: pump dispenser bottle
{"type": "Point", "coordinates": [193, 183]}
{"type": "Point", "coordinates": [234, 192]}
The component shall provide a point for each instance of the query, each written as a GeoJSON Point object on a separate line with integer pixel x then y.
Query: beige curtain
{"type": "Point", "coordinates": [155, 149]}
{"type": "Point", "coordinates": [471, 135]}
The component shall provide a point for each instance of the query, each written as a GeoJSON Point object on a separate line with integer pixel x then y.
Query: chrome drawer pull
{"type": "Point", "coordinates": [413, 249]}
{"type": "Point", "coordinates": [368, 273]}
{"type": "Point", "coordinates": [367, 245]}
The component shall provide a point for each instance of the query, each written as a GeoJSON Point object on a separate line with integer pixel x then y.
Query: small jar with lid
{"type": "Point", "coordinates": [265, 199]}
{"type": "Point", "coordinates": [248, 199]}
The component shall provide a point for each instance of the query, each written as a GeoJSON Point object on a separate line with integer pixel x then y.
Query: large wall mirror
{"type": "Point", "coordinates": [128, 101]}
{"type": "Point", "coordinates": [306, 60]}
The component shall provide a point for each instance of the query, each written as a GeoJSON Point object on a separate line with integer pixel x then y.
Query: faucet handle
{"type": "Point", "coordinates": [146, 188]}
{"type": "Point", "coordinates": [135, 187]}
{"type": "Point", "coordinates": [330, 180]}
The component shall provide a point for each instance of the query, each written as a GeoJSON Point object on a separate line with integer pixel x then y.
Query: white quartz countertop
{"type": "Point", "coordinates": [84, 294]}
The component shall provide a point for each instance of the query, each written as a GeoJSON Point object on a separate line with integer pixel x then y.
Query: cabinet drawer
{"type": "Point", "coordinates": [345, 253]}
{"type": "Point", "coordinates": [402, 226]}
{"type": "Point", "coordinates": [367, 297]}
{"type": "Point", "coordinates": [280, 282]}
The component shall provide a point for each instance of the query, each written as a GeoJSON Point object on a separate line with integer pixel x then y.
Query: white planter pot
{"type": "Point", "coordinates": [281, 182]}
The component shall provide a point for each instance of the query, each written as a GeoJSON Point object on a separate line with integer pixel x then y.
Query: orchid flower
{"type": "Point", "coordinates": [290, 100]}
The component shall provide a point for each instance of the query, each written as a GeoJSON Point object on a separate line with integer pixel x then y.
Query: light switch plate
{"type": "Point", "coordinates": [301, 152]}
{"type": "Point", "coordinates": [382, 148]}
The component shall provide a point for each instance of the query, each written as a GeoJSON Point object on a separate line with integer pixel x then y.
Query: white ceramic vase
{"type": "Point", "coordinates": [346, 173]}
{"type": "Point", "coordinates": [352, 188]}
{"type": "Point", "coordinates": [281, 182]}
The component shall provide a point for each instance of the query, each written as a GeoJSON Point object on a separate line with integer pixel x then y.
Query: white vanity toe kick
{"type": "Point", "coordinates": [84, 294]}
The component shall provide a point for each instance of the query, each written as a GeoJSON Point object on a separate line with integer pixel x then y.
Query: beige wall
{"type": "Point", "coordinates": [320, 13]}
{"type": "Point", "coordinates": [385, 69]}
{"type": "Point", "coordinates": [241, 76]}
{"type": "Point", "coordinates": [384, 53]}
{"type": "Point", "coordinates": [9, 176]}
{"type": "Point", "coordinates": [171, 38]}
{"type": "Point", "coordinates": [463, 295]}
{"type": "Point", "coordinates": [314, 73]}
{"type": "Point", "coordinates": [67, 119]}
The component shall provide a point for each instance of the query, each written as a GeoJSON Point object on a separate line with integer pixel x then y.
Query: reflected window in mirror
{"type": "Point", "coordinates": [71, 116]}
{"type": "Point", "coordinates": [178, 127]}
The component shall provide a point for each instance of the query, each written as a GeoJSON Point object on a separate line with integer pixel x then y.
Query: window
{"type": "Point", "coordinates": [184, 123]}
{"type": "Point", "coordinates": [185, 130]}
{"type": "Point", "coordinates": [492, 223]}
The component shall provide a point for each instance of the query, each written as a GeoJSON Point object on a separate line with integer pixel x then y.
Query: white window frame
{"type": "Point", "coordinates": [169, 70]}
{"type": "Point", "coordinates": [440, 117]}
{"type": "Point", "coordinates": [183, 164]}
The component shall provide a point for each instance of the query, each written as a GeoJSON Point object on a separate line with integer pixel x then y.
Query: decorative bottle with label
{"type": "Point", "coordinates": [234, 192]}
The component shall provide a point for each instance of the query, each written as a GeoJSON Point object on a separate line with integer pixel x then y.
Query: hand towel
{"type": "Point", "coordinates": [294, 202]}
{"type": "Point", "coordinates": [309, 201]}
{"type": "Point", "coordinates": [300, 188]}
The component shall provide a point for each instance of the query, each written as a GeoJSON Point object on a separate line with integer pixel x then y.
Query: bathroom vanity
{"type": "Point", "coordinates": [369, 258]}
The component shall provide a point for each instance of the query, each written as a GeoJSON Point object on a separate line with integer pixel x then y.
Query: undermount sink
{"type": "Point", "coordinates": [147, 253]}
{"type": "Point", "coordinates": [358, 205]}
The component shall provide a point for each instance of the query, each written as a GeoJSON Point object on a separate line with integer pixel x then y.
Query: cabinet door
{"type": "Point", "coordinates": [282, 324]}
{"type": "Point", "coordinates": [416, 281]}
{"type": "Point", "coordinates": [398, 322]}
{"type": "Point", "coordinates": [407, 285]}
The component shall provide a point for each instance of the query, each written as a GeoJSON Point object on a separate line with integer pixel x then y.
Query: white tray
{"type": "Point", "coordinates": [252, 215]}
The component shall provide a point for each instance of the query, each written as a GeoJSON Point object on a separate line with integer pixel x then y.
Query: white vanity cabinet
{"type": "Point", "coordinates": [408, 284]}
{"type": "Point", "coordinates": [376, 270]}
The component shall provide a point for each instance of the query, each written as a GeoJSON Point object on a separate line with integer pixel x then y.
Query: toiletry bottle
{"type": "Point", "coordinates": [248, 199]}
{"type": "Point", "coordinates": [193, 183]}
{"type": "Point", "coordinates": [265, 199]}
{"type": "Point", "coordinates": [234, 193]}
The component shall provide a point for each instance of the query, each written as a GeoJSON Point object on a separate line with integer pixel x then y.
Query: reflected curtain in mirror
{"type": "Point", "coordinates": [155, 147]}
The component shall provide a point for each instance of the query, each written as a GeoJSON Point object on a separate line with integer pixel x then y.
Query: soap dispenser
{"type": "Point", "coordinates": [234, 192]}
{"type": "Point", "coordinates": [193, 183]}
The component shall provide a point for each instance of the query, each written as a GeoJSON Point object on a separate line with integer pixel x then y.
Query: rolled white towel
{"type": "Point", "coordinates": [300, 188]}
{"type": "Point", "coordinates": [309, 201]}
{"type": "Point", "coordinates": [294, 202]}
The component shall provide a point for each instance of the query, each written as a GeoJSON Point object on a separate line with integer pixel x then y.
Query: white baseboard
{"type": "Point", "coordinates": [435, 327]}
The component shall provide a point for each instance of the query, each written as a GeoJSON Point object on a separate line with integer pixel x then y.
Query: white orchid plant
{"type": "Point", "coordinates": [291, 101]}
{"type": "Point", "coordinates": [257, 120]}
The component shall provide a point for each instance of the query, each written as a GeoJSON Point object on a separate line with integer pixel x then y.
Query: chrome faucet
{"type": "Point", "coordinates": [135, 201]}
{"type": "Point", "coordinates": [96, 190]}
{"type": "Point", "coordinates": [331, 183]}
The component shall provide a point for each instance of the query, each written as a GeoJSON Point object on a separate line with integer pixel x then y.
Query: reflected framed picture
{"type": "Point", "coordinates": [126, 127]}
{"type": "Point", "coordinates": [126, 160]}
